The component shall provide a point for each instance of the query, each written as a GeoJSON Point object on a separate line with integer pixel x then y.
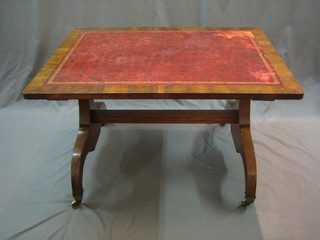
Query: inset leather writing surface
{"type": "Point", "coordinates": [165, 58]}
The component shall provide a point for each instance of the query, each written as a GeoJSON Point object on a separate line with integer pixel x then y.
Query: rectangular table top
{"type": "Point", "coordinates": [165, 63]}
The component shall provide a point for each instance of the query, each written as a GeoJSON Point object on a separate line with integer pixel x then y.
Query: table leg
{"type": "Point", "coordinates": [86, 141]}
{"type": "Point", "coordinates": [243, 143]}
{"type": "Point", "coordinates": [89, 131]}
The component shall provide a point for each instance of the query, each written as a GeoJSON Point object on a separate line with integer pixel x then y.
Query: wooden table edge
{"type": "Point", "coordinates": [163, 96]}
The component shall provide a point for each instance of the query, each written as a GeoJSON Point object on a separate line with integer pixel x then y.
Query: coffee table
{"type": "Point", "coordinates": [235, 64]}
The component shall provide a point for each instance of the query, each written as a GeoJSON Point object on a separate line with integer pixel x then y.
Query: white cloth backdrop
{"type": "Point", "coordinates": [157, 181]}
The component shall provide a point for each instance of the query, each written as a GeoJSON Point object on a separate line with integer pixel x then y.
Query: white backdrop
{"type": "Point", "coordinates": [157, 181]}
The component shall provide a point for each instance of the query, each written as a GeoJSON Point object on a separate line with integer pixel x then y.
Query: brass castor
{"type": "Point", "coordinates": [247, 202]}
{"type": "Point", "coordinates": [75, 204]}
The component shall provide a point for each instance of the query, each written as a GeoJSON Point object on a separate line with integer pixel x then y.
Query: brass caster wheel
{"type": "Point", "coordinates": [244, 204]}
{"type": "Point", "coordinates": [247, 202]}
{"type": "Point", "coordinates": [76, 204]}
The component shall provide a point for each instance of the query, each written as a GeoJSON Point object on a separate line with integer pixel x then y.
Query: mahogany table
{"type": "Point", "coordinates": [236, 64]}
